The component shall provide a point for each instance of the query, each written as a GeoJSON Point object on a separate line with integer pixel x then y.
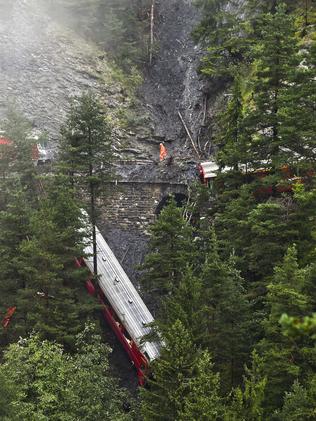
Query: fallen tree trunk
{"type": "Point", "coordinates": [152, 22]}
{"type": "Point", "coordinates": [189, 134]}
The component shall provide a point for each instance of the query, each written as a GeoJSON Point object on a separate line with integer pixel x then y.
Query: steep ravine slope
{"type": "Point", "coordinates": [43, 63]}
{"type": "Point", "coordinates": [172, 83]}
{"type": "Point", "coordinates": [40, 66]}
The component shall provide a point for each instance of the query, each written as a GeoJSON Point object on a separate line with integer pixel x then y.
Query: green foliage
{"type": "Point", "coordinates": [293, 326]}
{"type": "Point", "coordinates": [7, 395]}
{"type": "Point", "coordinates": [219, 30]}
{"type": "Point", "coordinates": [38, 274]}
{"type": "Point", "coordinates": [14, 229]}
{"type": "Point", "coordinates": [16, 159]}
{"type": "Point", "coordinates": [275, 58]}
{"type": "Point", "coordinates": [170, 252]}
{"type": "Point", "coordinates": [247, 403]}
{"type": "Point", "coordinates": [227, 336]}
{"type": "Point", "coordinates": [202, 401]}
{"type": "Point", "coordinates": [273, 226]}
{"type": "Point", "coordinates": [86, 154]}
{"type": "Point", "coordinates": [285, 359]}
{"type": "Point", "coordinates": [85, 148]}
{"type": "Point", "coordinates": [299, 403]}
{"type": "Point", "coordinates": [52, 285]}
{"type": "Point", "coordinates": [183, 386]}
{"type": "Point", "coordinates": [231, 137]}
{"type": "Point", "coordinates": [189, 304]}
{"type": "Point", "coordinates": [51, 385]}
{"type": "Point", "coordinates": [231, 220]}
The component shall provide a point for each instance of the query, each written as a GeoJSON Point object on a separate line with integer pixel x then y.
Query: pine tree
{"type": "Point", "coordinates": [170, 251]}
{"type": "Point", "coordinates": [285, 359]}
{"type": "Point", "coordinates": [299, 118]}
{"type": "Point", "coordinates": [14, 229]}
{"type": "Point", "coordinates": [219, 31]}
{"type": "Point", "coordinates": [275, 55]}
{"type": "Point", "coordinates": [231, 212]}
{"type": "Point", "coordinates": [53, 298]}
{"type": "Point", "coordinates": [189, 304]}
{"type": "Point", "coordinates": [229, 317]}
{"type": "Point", "coordinates": [233, 149]}
{"type": "Point", "coordinates": [86, 154]}
{"type": "Point", "coordinates": [203, 401]}
{"type": "Point", "coordinates": [247, 402]}
{"type": "Point", "coordinates": [183, 382]}
{"type": "Point", "coordinates": [273, 226]}
{"type": "Point", "coordinates": [299, 403]}
{"type": "Point", "coordinates": [20, 152]}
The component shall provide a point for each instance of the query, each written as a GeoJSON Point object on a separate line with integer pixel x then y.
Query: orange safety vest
{"type": "Point", "coordinates": [163, 152]}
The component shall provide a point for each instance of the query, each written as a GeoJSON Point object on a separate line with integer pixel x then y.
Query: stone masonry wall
{"type": "Point", "coordinates": [132, 205]}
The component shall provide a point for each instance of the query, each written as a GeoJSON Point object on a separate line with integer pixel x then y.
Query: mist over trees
{"type": "Point", "coordinates": [119, 27]}
{"type": "Point", "coordinates": [232, 273]}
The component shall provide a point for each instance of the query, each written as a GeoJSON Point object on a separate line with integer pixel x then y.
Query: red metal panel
{"type": "Point", "coordinates": [136, 356]}
{"type": "Point", "coordinates": [5, 141]}
{"type": "Point", "coordinates": [7, 318]}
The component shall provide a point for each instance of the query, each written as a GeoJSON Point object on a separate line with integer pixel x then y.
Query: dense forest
{"type": "Point", "coordinates": [233, 272]}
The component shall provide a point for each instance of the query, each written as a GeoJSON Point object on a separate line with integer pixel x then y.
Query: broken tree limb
{"type": "Point", "coordinates": [189, 134]}
{"type": "Point", "coordinates": [152, 23]}
{"type": "Point", "coordinates": [204, 109]}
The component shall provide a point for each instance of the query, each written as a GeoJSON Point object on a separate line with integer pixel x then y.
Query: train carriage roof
{"type": "Point", "coordinates": [122, 295]}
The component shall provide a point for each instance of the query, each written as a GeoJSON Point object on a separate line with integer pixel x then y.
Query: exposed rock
{"type": "Point", "coordinates": [40, 65]}
{"type": "Point", "coordinates": [172, 83]}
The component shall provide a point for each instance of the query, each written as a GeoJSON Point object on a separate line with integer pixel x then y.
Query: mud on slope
{"type": "Point", "coordinates": [172, 83]}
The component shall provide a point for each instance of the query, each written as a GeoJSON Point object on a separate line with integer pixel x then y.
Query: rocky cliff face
{"type": "Point", "coordinates": [40, 64]}
{"type": "Point", "coordinates": [43, 63]}
{"type": "Point", "coordinates": [172, 84]}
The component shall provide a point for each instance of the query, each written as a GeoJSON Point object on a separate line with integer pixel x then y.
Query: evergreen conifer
{"type": "Point", "coordinates": [86, 154]}
{"type": "Point", "coordinates": [183, 382]}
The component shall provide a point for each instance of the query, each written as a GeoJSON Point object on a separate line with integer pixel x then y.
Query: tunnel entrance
{"type": "Point", "coordinates": [179, 198]}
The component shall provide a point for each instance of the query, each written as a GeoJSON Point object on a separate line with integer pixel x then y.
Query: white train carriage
{"type": "Point", "coordinates": [123, 298]}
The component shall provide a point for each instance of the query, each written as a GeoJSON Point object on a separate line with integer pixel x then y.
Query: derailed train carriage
{"type": "Point", "coordinates": [122, 306]}
{"type": "Point", "coordinates": [209, 172]}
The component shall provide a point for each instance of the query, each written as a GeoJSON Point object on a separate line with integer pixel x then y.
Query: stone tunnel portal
{"type": "Point", "coordinates": [179, 198]}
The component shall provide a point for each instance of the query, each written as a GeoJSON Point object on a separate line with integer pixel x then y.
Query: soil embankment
{"type": "Point", "coordinates": [172, 84]}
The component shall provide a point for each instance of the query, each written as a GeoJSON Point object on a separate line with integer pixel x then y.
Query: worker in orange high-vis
{"type": "Point", "coordinates": [163, 152]}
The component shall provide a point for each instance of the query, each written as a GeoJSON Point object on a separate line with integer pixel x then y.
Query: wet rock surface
{"type": "Point", "coordinates": [172, 83]}
{"type": "Point", "coordinates": [41, 65]}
